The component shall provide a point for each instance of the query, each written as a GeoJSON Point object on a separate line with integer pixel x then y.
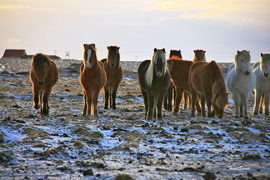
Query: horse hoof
{"type": "Point", "coordinates": [266, 113]}
{"type": "Point", "coordinates": [255, 113]}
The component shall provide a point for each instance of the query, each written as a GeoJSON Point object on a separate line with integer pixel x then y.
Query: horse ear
{"type": "Point", "coordinates": [108, 47]}
{"type": "Point", "coordinates": [164, 50]}
{"type": "Point", "coordinates": [204, 51]}
{"type": "Point", "coordinates": [194, 51]}
{"type": "Point", "coordinates": [84, 45]}
{"type": "Point", "coordinates": [179, 50]}
{"type": "Point", "coordinates": [238, 51]}
{"type": "Point", "coordinates": [261, 54]}
{"type": "Point", "coordinates": [155, 50]}
{"type": "Point", "coordinates": [118, 48]}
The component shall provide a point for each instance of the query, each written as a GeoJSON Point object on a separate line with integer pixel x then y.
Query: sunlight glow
{"type": "Point", "coordinates": [13, 7]}
{"type": "Point", "coordinates": [13, 40]}
{"type": "Point", "coordinates": [186, 15]}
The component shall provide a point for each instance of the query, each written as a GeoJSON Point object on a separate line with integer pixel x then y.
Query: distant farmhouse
{"type": "Point", "coordinates": [21, 53]}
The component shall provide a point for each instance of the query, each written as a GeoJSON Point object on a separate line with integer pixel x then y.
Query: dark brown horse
{"type": "Point", "coordinates": [174, 54]}
{"type": "Point", "coordinates": [154, 80]}
{"type": "Point", "coordinates": [92, 78]}
{"type": "Point", "coordinates": [179, 70]}
{"type": "Point", "coordinates": [207, 80]}
{"type": "Point", "coordinates": [114, 76]}
{"type": "Point", "coordinates": [44, 75]}
{"type": "Point", "coordinates": [199, 55]}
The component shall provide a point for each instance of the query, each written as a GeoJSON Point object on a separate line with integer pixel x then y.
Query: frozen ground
{"type": "Point", "coordinates": [64, 145]}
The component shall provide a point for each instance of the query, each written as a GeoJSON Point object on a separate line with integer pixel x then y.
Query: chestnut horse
{"type": "Point", "coordinates": [92, 78]}
{"type": "Point", "coordinates": [174, 54]}
{"type": "Point", "coordinates": [114, 75]}
{"type": "Point", "coordinates": [44, 75]}
{"type": "Point", "coordinates": [154, 80]}
{"type": "Point", "coordinates": [207, 80]}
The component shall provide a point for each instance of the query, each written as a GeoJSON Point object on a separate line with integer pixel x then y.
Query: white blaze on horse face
{"type": "Point", "coordinates": [88, 64]}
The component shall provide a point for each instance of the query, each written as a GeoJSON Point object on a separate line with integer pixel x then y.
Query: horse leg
{"type": "Point", "coordinates": [89, 102]}
{"type": "Point", "coordinates": [41, 92]}
{"type": "Point", "coordinates": [261, 104]}
{"type": "Point", "coordinates": [194, 100]}
{"type": "Point", "coordinates": [113, 98]}
{"type": "Point", "coordinates": [106, 97]}
{"type": "Point", "coordinates": [46, 96]}
{"type": "Point", "coordinates": [245, 103]}
{"type": "Point", "coordinates": [203, 105]}
{"type": "Point", "coordinates": [151, 106]}
{"type": "Point", "coordinates": [159, 106]}
{"type": "Point", "coordinates": [266, 104]}
{"type": "Point", "coordinates": [178, 99]}
{"type": "Point", "coordinates": [36, 97]}
{"type": "Point", "coordinates": [257, 102]}
{"type": "Point", "coordinates": [170, 98]}
{"type": "Point", "coordinates": [145, 98]}
{"type": "Point", "coordinates": [209, 103]}
{"type": "Point", "coordinates": [165, 101]}
{"type": "Point", "coordinates": [95, 101]}
{"type": "Point", "coordinates": [85, 103]}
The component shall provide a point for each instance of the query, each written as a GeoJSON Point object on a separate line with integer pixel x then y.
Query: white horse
{"type": "Point", "coordinates": [240, 81]}
{"type": "Point", "coordinates": [262, 88]}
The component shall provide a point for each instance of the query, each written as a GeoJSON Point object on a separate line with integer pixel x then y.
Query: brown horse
{"type": "Point", "coordinates": [179, 70]}
{"type": "Point", "coordinates": [207, 80]}
{"type": "Point", "coordinates": [44, 75]}
{"type": "Point", "coordinates": [114, 75]}
{"type": "Point", "coordinates": [199, 55]}
{"type": "Point", "coordinates": [92, 78]}
{"type": "Point", "coordinates": [174, 54]}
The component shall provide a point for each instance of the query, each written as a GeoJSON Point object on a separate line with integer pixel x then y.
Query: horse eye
{"type": "Point", "coordinates": [241, 60]}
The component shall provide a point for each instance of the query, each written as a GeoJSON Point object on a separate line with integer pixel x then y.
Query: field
{"type": "Point", "coordinates": [66, 145]}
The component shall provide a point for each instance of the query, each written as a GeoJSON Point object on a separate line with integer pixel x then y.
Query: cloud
{"type": "Point", "coordinates": [186, 15]}
{"type": "Point", "coordinates": [13, 40]}
{"type": "Point", "coordinates": [13, 7]}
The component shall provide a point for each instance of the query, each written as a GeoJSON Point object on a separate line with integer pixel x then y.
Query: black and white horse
{"type": "Point", "coordinates": [154, 79]}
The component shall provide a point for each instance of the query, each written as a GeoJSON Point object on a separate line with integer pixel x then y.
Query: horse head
{"type": "Point", "coordinates": [265, 64]}
{"type": "Point", "coordinates": [175, 54]}
{"type": "Point", "coordinates": [242, 62]}
{"type": "Point", "coordinates": [199, 55]}
{"type": "Point", "coordinates": [220, 102]}
{"type": "Point", "coordinates": [90, 57]}
{"type": "Point", "coordinates": [113, 56]}
{"type": "Point", "coordinates": [159, 61]}
{"type": "Point", "coordinates": [40, 64]}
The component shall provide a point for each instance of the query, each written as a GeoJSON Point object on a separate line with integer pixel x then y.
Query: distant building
{"type": "Point", "coordinates": [14, 53]}
{"type": "Point", "coordinates": [21, 53]}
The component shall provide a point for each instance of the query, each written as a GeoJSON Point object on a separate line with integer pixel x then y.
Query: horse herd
{"type": "Point", "coordinates": [199, 81]}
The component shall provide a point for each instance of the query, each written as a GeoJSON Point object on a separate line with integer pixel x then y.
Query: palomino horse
{"type": "Point", "coordinates": [114, 75]}
{"type": "Point", "coordinates": [174, 54]}
{"type": "Point", "coordinates": [92, 78]}
{"type": "Point", "coordinates": [262, 87]}
{"type": "Point", "coordinates": [240, 82]}
{"type": "Point", "coordinates": [199, 55]}
{"type": "Point", "coordinates": [44, 75]}
{"type": "Point", "coordinates": [154, 80]}
{"type": "Point", "coordinates": [207, 80]}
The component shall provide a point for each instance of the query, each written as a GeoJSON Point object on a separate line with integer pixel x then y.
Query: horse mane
{"type": "Point", "coordinates": [149, 74]}
{"type": "Point", "coordinates": [219, 89]}
{"type": "Point", "coordinates": [175, 58]}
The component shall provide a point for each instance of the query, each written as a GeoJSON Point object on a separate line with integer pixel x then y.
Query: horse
{"type": "Point", "coordinates": [179, 71]}
{"type": "Point", "coordinates": [199, 55]}
{"type": "Point", "coordinates": [240, 82]}
{"type": "Point", "coordinates": [262, 86]}
{"type": "Point", "coordinates": [174, 54]}
{"type": "Point", "coordinates": [114, 75]}
{"type": "Point", "coordinates": [92, 79]}
{"type": "Point", "coordinates": [43, 75]}
{"type": "Point", "coordinates": [154, 80]}
{"type": "Point", "coordinates": [207, 80]}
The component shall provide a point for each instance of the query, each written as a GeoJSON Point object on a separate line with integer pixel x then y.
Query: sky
{"type": "Point", "coordinates": [55, 27]}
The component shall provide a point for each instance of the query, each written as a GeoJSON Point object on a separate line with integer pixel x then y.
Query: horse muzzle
{"type": "Point", "coordinates": [40, 82]}
{"type": "Point", "coordinates": [112, 65]}
{"type": "Point", "coordinates": [247, 72]}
